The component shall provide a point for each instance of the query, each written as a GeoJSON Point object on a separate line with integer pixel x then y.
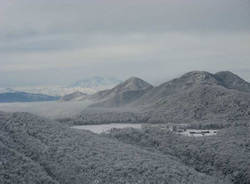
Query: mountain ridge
{"type": "Point", "coordinates": [194, 96]}
{"type": "Point", "coordinates": [189, 80]}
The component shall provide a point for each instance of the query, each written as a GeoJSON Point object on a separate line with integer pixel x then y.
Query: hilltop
{"type": "Point", "coordinates": [122, 94]}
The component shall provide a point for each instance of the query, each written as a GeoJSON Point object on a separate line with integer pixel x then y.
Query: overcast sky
{"type": "Point", "coordinates": [47, 42]}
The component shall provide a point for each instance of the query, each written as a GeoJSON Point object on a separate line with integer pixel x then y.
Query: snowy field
{"type": "Point", "coordinates": [107, 127]}
{"type": "Point", "coordinates": [198, 133]}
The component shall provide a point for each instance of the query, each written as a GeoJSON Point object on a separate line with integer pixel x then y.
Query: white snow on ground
{"type": "Point", "coordinates": [102, 128]}
{"type": "Point", "coordinates": [107, 127]}
{"type": "Point", "coordinates": [198, 133]}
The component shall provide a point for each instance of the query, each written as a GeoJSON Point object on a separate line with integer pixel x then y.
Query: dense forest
{"type": "Point", "coordinates": [227, 154]}
{"type": "Point", "coordinates": [37, 150]}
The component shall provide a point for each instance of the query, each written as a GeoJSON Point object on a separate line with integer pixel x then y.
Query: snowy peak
{"type": "Point", "coordinates": [122, 94]}
{"type": "Point", "coordinates": [226, 79]}
{"type": "Point", "coordinates": [133, 84]}
{"type": "Point", "coordinates": [191, 81]}
{"type": "Point", "coordinates": [195, 77]}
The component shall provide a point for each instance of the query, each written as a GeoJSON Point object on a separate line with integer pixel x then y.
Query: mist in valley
{"type": "Point", "coordinates": [52, 110]}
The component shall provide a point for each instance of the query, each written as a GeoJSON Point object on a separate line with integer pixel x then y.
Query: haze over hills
{"type": "Point", "coordinates": [195, 96]}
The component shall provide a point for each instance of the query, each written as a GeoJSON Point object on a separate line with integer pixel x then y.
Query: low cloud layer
{"type": "Point", "coordinates": [156, 40]}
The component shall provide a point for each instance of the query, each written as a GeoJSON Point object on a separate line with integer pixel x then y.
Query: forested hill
{"type": "Point", "coordinates": [36, 150]}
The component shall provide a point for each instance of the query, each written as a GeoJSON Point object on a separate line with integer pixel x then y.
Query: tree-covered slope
{"type": "Point", "coordinates": [36, 150]}
{"type": "Point", "coordinates": [226, 154]}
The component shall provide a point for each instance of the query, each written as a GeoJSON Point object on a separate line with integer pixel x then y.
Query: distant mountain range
{"type": "Point", "coordinates": [195, 96]}
{"type": "Point", "coordinates": [16, 96]}
{"type": "Point", "coordinates": [87, 86]}
{"type": "Point", "coordinates": [49, 90]}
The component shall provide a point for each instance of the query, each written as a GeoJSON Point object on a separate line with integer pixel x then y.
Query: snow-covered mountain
{"type": "Point", "coordinates": [56, 90]}
{"type": "Point", "coordinates": [197, 96]}
{"type": "Point", "coordinates": [88, 86]}
{"type": "Point", "coordinates": [122, 94]}
{"type": "Point", "coordinates": [49, 90]}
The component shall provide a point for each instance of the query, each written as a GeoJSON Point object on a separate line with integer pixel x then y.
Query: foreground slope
{"type": "Point", "coordinates": [36, 150]}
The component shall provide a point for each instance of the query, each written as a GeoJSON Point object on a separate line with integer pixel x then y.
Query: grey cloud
{"type": "Point", "coordinates": [127, 16]}
{"type": "Point", "coordinates": [155, 40]}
